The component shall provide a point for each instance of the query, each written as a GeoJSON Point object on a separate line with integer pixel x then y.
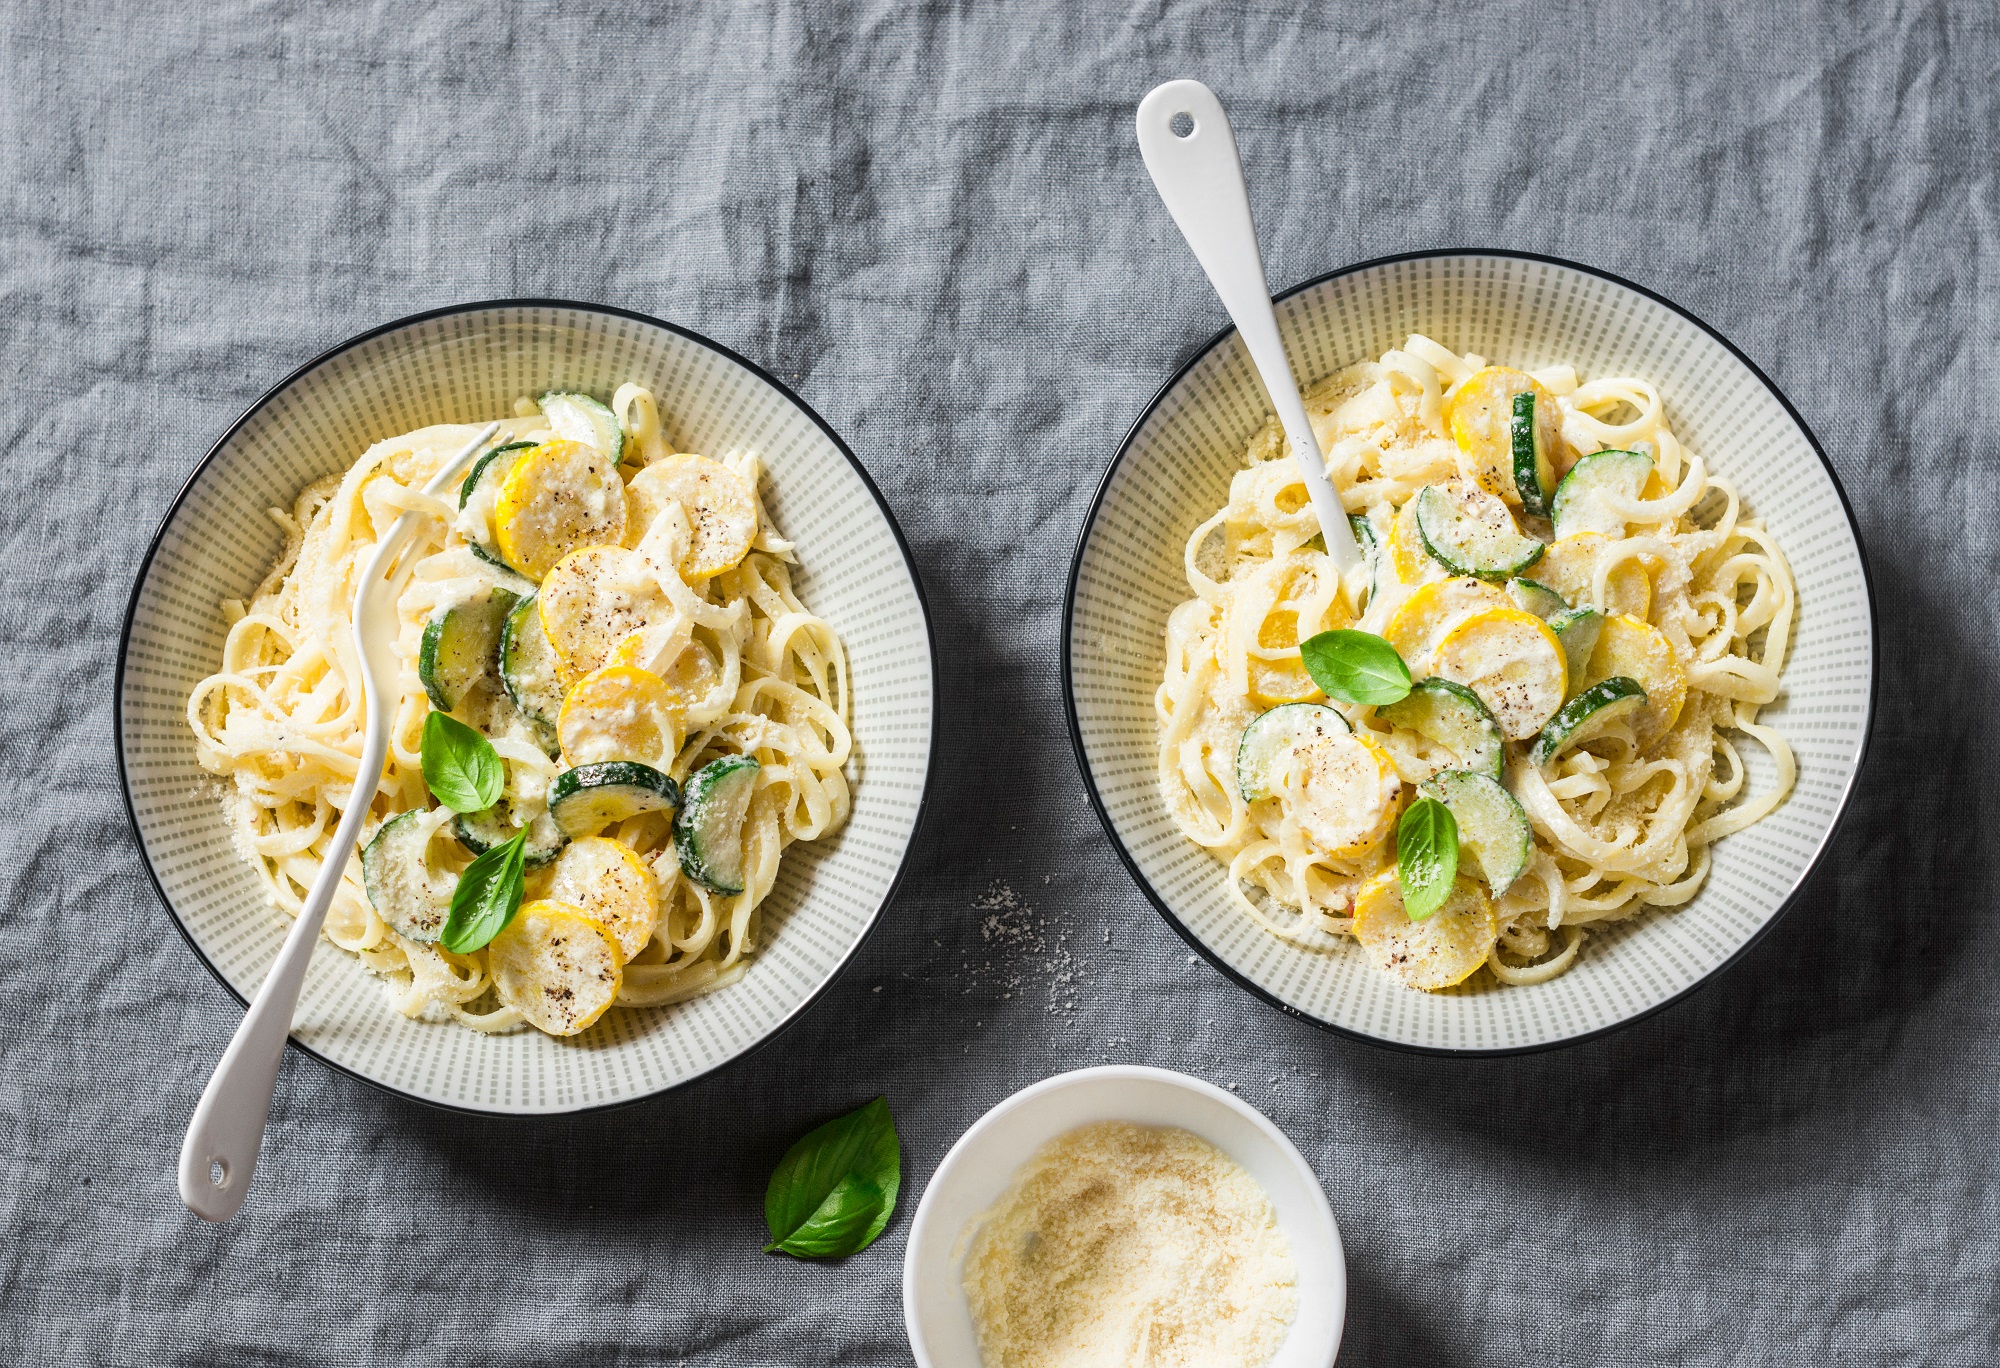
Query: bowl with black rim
{"type": "Point", "coordinates": [463, 365]}
{"type": "Point", "coordinates": [1173, 472]}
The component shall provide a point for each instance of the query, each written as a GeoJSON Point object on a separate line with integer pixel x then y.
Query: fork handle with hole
{"type": "Point", "coordinates": [219, 1155]}
{"type": "Point", "coordinates": [1190, 151]}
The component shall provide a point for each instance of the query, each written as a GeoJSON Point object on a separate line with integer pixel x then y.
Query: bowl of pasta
{"type": "Point", "coordinates": [1572, 734]}
{"type": "Point", "coordinates": [664, 727]}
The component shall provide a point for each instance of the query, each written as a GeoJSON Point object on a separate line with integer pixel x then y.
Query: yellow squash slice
{"type": "Point", "coordinates": [1267, 604]}
{"type": "Point", "coordinates": [1426, 615]}
{"type": "Point", "coordinates": [619, 713]}
{"type": "Point", "coordinates": [1480, 414]}
{"type": "Point", "coordinates": [1629, 647]}
{"type": "Point", "coordinates": [655, 646]}
{"type": "Point", "coordinates": [555, 966]}
{"type": "Point", "coordinates": [1445, 948]}
{"type": "Point", "coordinates": [692, 678]}
{"type": "Point", "coordinates": [1284, 679]}
{"type": "Point", "coordinates": [1569, 567]}
{"type": "Point", "coordinates": [721, 511]}
{"type": "Point", "coordinates": [608, 882]}
{"type": "Point", "coordinates": [558, 499]}
{"type": "Point", "coordinates": [595, 598]}
{"type": "Point", "coordinates": [1407, 557]}
{"type": "Point", "coordinates": [687, 666]}
{"type": "Point", "coordinates": [1347, 795]}
{"type": "Point", "coordinates": [1513, 662]}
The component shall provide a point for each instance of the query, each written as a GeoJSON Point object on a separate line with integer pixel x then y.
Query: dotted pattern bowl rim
{"type": "Point", "coordinates": [270, 396]}
{"type": "Point", "coordinates": [1200, 354]}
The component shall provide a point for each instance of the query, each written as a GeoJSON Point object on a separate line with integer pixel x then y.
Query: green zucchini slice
{"type": "Point", "coordinates": [1272, 735]}
{"type": "Point", "coordinates": [479, 832]}
{"type": "Point", "coordinates": [1470, 532]}
{"type": "Point", "coordinates": [708, 830]}
{"type": "Point", "coordinates": [1534, 464]}
{"type": "Point", "coordinates": [1365, 537]}
{"type": "Point", "coordinates": [1532, 596]}
{"type": "Point", "coordinates": [396, 873]}
{"type": "Point", "coordinates": [1370, 542]}
{"type": "Point", "coordinates": [580, 418]}
{"type": "Point", "coordinates": [493, 466]}
{"type": "Point", "coordinates": [1579, 506]}
{"type": "Point", "coordinates": [1492, 828]}
{"type": "Point", "coordinates": [483, 483]}
{"type": "Point", "coordinates": [1586, 716]}
{"type": "Point", "coordinates": [1577, 629]}
{"type": "Point", "coordinates": [1453, 716]}
{"type": "Point", "coordinates": [530, 671]}
{"type": "Point", "coordinates": [461, 645]}
{"type": "Point", "coordinates": [587, 799]}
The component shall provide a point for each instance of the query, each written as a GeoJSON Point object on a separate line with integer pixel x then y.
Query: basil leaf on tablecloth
{"type": "Point", "coordinates": [834, 1190]}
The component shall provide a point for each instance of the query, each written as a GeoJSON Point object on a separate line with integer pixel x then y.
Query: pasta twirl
{"type": "Point", "coordinates": [1634, 572]}
{"type": "Point", "coordinates": [714, 656]}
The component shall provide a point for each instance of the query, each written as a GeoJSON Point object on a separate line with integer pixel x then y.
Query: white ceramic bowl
{"type": "Point", "coordinates": [463, 365]}
{"type": "Point", "coordinates": [977, 1171]}
{"type": "Point", "coordinates": [1173, 472]}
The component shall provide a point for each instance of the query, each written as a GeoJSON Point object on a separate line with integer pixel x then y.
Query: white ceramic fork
{"type": "Point", "coordinates": [220, 1152]}
{"type": "Point", "coordinates": [1186, 141]}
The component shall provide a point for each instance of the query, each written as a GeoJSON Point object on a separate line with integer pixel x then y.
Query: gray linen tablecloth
{"type": "Point", "coordinates": [935, 223]}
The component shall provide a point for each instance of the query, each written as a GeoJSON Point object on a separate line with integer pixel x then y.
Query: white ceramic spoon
{"type": "Point", "coordinates": [220, 1152]}
{"type": "Point", "coordinates": [1200, 176]}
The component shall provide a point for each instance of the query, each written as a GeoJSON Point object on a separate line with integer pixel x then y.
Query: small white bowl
{"type": "Point", "coordinates": [981, 1165]}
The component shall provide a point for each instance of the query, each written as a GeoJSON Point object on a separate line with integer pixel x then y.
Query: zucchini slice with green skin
{"type": "Point", "coordinates": [1577, 629]}
{"type": "Point", "coordinates": [529, 669]}
{"type": "Point", "coordinates": [493, 466]}
{"type": "Point", "coordinates": [1492, 828]}
{"type": "Point", "coordinates": [479, 832]}
{"type": "Point", "coordinates": [1364, 537]}
{"type": "Point", "coordinates": [1534, 464]}
{"type": "Point", "coordinates": [1371, 549]}
{"type": "Point", "coordinates": [1272, 735]}
{"type": "Point", "coordinates": [1579, 506]}
{"type": "Point", "coordinates": [708, 830]}
{"type": "Point", "coordinates": [461, 645]}
{"type": "Point", "coordinates": [1473, 534]}
{"type": "Point", "coordinates": [482, 483]}
{"type": "Point", "coordinates": [1532, 596]}
{"type": "Point", "coordinates": [581, 418]}
{"type": "Point", "coordinates": [1453, 716]}
{"type": "Point", "coordinates": [1586, 716]}
{"type": "Point", "coordinates": [585, 800]}
{"type": "Point", "coordinates": [396, 874]}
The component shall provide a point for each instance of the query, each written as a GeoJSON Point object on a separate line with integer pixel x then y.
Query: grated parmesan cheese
{"type": "Point", "coordinates": [1120, 1245]}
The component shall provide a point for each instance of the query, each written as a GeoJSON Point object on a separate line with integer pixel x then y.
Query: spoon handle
{"type": "Point", "coordinates": [219, 1155]}
{"type": "Point", "coordinates": [1200, 176]}
{"type": "Point", "coordinates": [220, 1152]}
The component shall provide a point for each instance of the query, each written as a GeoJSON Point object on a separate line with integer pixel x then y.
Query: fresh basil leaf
{"type": "Point", "coordinates": [460, 765]}
{"type": "Point", "coordinates": [838, 1226]}
{"type": "Point", "coordinates": [1356, 667]}
{"type": "Point", "coordinates": [1426, 856]}
{"type": "Point", "coordinates": [487, 897]}
{"type": "Point", "coordinates": [825, 1179]}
